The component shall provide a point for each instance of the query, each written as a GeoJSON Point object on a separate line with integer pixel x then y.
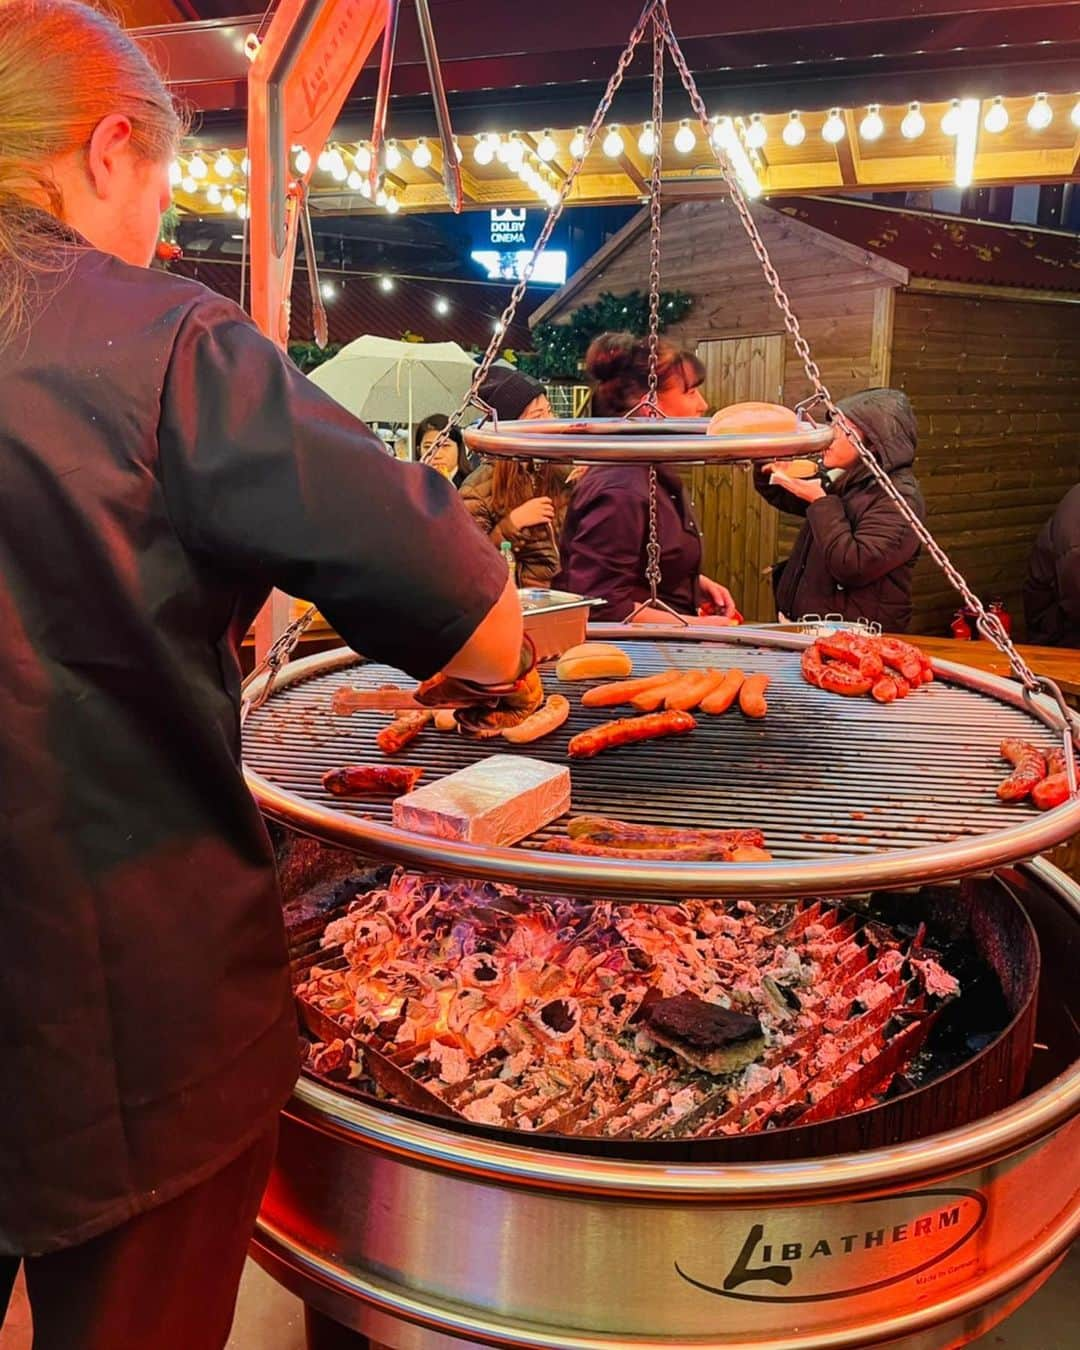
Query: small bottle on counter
{"type": "Point", "coordinates": [997, 606]}
{"type": "Point", "coordinates": [507, 552]}
{"type": "Point", "coordinates": [960, 628]}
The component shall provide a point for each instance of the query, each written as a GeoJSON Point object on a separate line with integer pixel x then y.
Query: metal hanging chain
{"type": "Point", "coordinates": [989, 625]}
{"type": "Point", "coordinates": [275, 658]}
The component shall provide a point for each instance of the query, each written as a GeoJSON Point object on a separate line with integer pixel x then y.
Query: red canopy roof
{"type": "Point", "coordinates": [359, 305]}
{"type": "Point", "coordinates": [946, 248]}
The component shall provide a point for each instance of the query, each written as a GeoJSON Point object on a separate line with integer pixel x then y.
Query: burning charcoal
{"type": "Point", "coordinates": [712, 1038]}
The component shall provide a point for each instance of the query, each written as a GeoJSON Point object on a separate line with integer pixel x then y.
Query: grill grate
{"type": "Point", "coordinates": [822, 776]}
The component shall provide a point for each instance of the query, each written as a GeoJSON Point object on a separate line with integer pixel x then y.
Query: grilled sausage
{"type": "Point", "coordinates": [885, 690]}
{"type": "Point", "coordinates": [752, 696]}
{"type": "Point", "coordinates": [358, 780]}
{"type": "Point", "coordinates": [622, 691]}
{"type": "Point", "coordinates": [1054, 788]}
{"type": "Point", "coordinates": [627, 729]}
{"type": "Point", "coordinates": [688, 692]}
{"type": "Point", "coordinates": [725, 693]}
{"type": "Point", "coordinates": [835, 679]}
{"type": "Point", "coordinates": [603, 830]}
{"type": "Point", "coordinates": [852, 649]}
{"type": "Point", "coordinates": [542, 722]}
{"type": "Point", "coordinates": [402, 731]}
{"type": "Point", "coordinates": [653, 699]}
{"type": "Point", "coordinates": [907, 659]}
{"type": "Point", "coordinates": [683, 853]}
{"type": "Point", "coordinates": [1029, 769]}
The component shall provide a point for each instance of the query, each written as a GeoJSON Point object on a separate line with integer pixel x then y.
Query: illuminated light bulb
{"type": "Point", "coordinates": [386, 284]}
{"type": "Point", "coordinates": [1040, 114]}
{"type": "Point", "coordinates": [245, 166]}
{"type": "Point", "coordinates": [1074, 116]}
{"type": "Point", "coordinates": [380, 197]}
{"type": "Point", "coordinates": [997, 117]}
{"type": "Point", "coordinates": [484, 152]}
{"type": "Point", "coordinates": [685, 140]}
{"type": "Point", "coordinates": [614, 144]}
{"type": "Point", "coordinates": [756, 133]}
{"type": "Point", "coordinates": [950, 123]}
{"type": "Point", "coordinates": [497, 326]}
{"type": "Point", "coordinates": [442, 306]}
{"type": "Point", "coordinates": [833, 129]}
{"type": "Point", "coordinates": [362, 158]}
{"type": "Point", "coordinates": [223, 166]}
{"type": "Point", "coordinates": [967, 136]}
{"type": "Point", "coordinates": [577, 145]}
{"type": "Point", "coordinates": [647, 140]}
{"type": "Point", "coordinates": [365, 188]}
{"type": "Point", "coordinates": [228, 203]}
{"type": "Point", "coordinates": [354, 180]}
{"type": "Point", "coordinates": [515, 151]}
{"type": "Point", "coordinates": [189, 184]}
{"type": "Point", "coordinates": [794, 132]}
{"type": "Point", "coordinates": [302, 161]}
{"type": "Point", "coordinates": [421, 155]}
{"type": "Point", "coordinates": [914, 123]}
{"type": "Point", "coordinates": [393, 206]}
{"type": "Point", "coordinates": [197, 167]}
{"type": "Point", "coordinates": [546, 147]}
{"type": "Point", "coordinates": [325, 161]}
{"type": "Point", "coordinates": [727, 138]}
{"type": "Point", "coordinates": [327, 290]}
{"type": "Point", "coordinates": [242, 211]}
{"type": "Point", "coordinates": [393, 155]}
{"type": "Point", "coordinates": [175, 173]}
{"type": "Point", "coordinates": [213, 195]}
{"type": "Point", "coordinates": [871, 127]}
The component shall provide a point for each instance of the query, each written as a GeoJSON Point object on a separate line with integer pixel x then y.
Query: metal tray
{"type": "Point", "coordinates": [555, 620]}
{"type": "Point", "coordinates": [851, 795]}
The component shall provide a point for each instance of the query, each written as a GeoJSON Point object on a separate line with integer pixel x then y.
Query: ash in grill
{"type": "Point", "coordinates": [697, 1021]}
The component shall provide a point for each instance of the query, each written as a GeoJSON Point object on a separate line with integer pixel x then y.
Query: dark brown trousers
{"type": "Point", "coordinates": [166, 1279]}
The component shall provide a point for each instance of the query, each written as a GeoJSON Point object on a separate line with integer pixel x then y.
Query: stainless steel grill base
{"type": "Point", "coordinates": [427, 1240]}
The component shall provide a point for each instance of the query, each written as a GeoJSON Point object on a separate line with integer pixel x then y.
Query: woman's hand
{"type": "Point", "coordinates": [719, 597]}
{"type": "Point", "coordinates": [536, 511]}
{"type": "Point", "coordinates": [807, 489]}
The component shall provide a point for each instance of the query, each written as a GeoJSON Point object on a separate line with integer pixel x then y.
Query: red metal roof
{"type": "Point", "coordinates": [360, 306]}
{"type": "Point", "coordinates": [947, 248]}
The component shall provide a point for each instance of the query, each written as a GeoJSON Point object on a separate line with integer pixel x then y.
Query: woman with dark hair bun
{"type": "Point", "coordinates": [607, 525]}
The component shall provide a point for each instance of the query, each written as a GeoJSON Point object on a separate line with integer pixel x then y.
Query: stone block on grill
{"type": "Point", "coordinates": [497, 800]}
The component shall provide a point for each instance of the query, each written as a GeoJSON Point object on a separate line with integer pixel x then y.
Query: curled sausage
{"type": "Point", "coordinates": [542, 722]}
{"type": "Point", "coordinates": [625, 730]}
{"type": "Point", "coordinates": [1054, 788]}
{"type": "Point", "coordinates": [835, 679]}
{"type": "Point", "coordinates": [1029, 768]}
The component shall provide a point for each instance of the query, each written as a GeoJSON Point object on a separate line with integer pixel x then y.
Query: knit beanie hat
{"type": "Point", "coordinates": [509, 392]}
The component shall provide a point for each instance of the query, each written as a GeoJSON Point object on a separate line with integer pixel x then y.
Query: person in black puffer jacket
{"type": "Point", "coordinates": [855, 555]}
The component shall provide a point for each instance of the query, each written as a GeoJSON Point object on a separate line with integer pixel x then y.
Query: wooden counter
{"type": "Point", "coordinates": [1060, 664]}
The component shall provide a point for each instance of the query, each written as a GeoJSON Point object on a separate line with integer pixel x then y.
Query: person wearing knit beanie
{"type": "Point", "coordinates": [512, 394]}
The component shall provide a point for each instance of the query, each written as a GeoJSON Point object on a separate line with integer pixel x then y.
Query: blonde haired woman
{"type": "Point", "coordinates": [163, 467]}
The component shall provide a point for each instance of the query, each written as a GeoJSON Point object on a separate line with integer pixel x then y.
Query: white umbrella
{"type": "Point", "coordinates": [380, 380]}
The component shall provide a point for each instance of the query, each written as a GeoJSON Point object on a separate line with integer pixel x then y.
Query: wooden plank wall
{"type": "Point", "coordinates": [996, 386]}
{"type": "Point", "coordinates": [837, 300]}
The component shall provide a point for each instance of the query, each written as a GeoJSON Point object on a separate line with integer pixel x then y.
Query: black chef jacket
{"type": "Point", "coordinates": [162, 466]}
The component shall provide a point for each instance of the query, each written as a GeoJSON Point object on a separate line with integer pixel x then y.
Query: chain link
{"type": "Point", "coordinates": [655, 200]}
{"type": "Point", "coordinates": [989, 625]}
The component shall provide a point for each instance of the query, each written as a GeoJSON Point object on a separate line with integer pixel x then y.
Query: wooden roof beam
{"type": "Point", "coordinates": [847, 152]}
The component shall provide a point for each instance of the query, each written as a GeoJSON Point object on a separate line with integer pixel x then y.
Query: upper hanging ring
{"type": "Point", "coordinates": [620, 440]}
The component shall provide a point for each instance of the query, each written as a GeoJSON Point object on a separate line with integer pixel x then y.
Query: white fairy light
{"type": "Point", "coordinates": [484, 152]}
{"type": "Point", "coordinates": [727, 138]}
{"type": "Point", "coordinates": [189, 184]}
{"type": "Point", "coordinates": [354, 181]}
{"type": "Point", "coordinates": [380, 197]}
{"type": "Point", "coordinates": [442, 305]}
{"type": "Point", "coordinates": [393, 155]}
{"type": "Point", "coordinates": [546, 147]}
{"type": "Point", "coordinates": [614, 145]}
{"type": "Point", "coordinates": [967, 138]}
{"type": "Point", "coordinates": [685, 140]}
{"type": "Point", "coordinates": [338, 172]}
{"type": "Point", "coordinates": [328, 290]}
{"type": "Point", "coordinates": [242, 211]}
{"type": "Point", "coordinates": [393, 206]}
{"type": "Point", "coordinates": [175, 173]}
{"type": "Point", "coordinates": [914, 123]}
{"type": "Point", "coordinates": [213, 195]}
{"type": "Point", "coordinates": [794, 132]}
{"type": "Point", "coordinates": [577, 144]}
{"type": "Point", "coordinates": [950, 123]}
{"type": "Point", "coordinates": [647, 140]}
{"type": "Point", "coordinates": [757, 133]}
{"type": "Point", "coordinates": [871, 127]}
{"type": "Point", "coordinates": [362, 158]}
{"type": "Point", "coordinates": [245, 166]}
{"type": "Point", "coordinates": [515, 151]}
{"type": "Point", "coordinates": [421, 155]}
{"type": "Point", "coordinates": [386, 284]}
{"type": "Point", "coordinates": [997, 117]}
{"type": "Point", "coordinates": [833, 129]}
{"type": "Point", "coordinates": [302, 161]}
{"type": "Point", "coordinates": [223, 166]}
{"type": "Point", "coordinates": [325, 161]}
{"type": "Point", "coordinates": [228, 203]}
{"type": "Point", "coordinates": [1040, 114]}
{"type": "Point", "coordinates": [197, 167]}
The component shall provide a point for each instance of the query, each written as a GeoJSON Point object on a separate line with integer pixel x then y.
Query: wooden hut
{"type": "Point", "coordinates": [979, 323]}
